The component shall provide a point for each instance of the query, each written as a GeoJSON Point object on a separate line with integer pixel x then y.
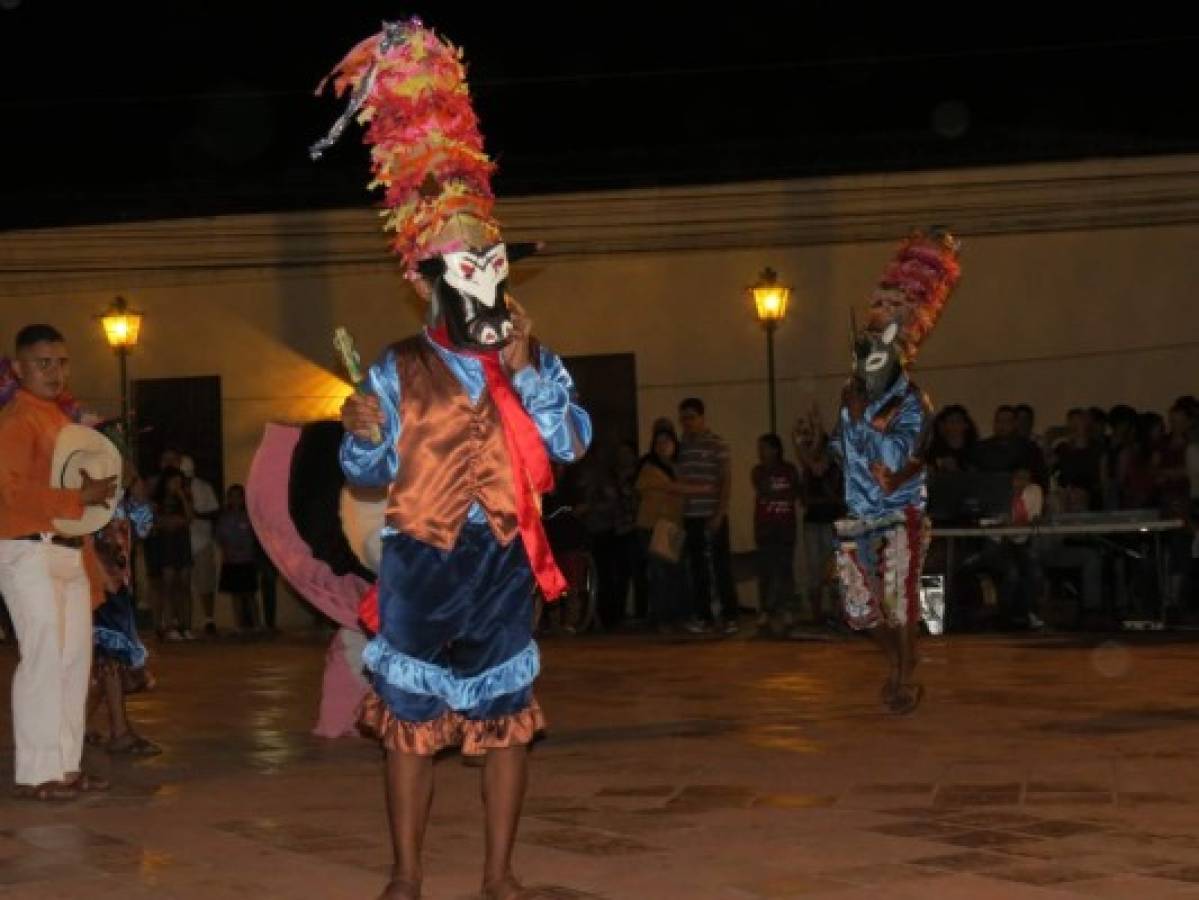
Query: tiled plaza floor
{"type": "Point", "coordinates": [1039, 767]}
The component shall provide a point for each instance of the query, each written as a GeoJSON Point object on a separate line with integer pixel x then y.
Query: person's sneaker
{"type": "Point", "coordinates": [1035, 622]}
{"type": "Point", "coordinates": [173, 636]}
{"type": "Point", "coordinates": [697, 626]}
{"type": "Point", "coordinates": [730, 627]}
{"type": "Point", "coordinates": [188, 636]}
{"type": "Point", "coordinates": [210, 629]}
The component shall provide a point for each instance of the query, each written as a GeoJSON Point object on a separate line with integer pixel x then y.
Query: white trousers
{"type": "Point", "coordinates": [46, 589]}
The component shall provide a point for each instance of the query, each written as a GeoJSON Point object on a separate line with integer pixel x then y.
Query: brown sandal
{"type": "Point", "coordinates": [132, 744]}
{"type": "Point", "coordinates": [46, 792]}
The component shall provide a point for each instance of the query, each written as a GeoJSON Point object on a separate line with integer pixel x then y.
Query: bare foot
{"type": "Point", "coordinates": [398, 889]}
{"type": "Point", "coordinates": [508, 888]}
{"type": "Point", "coordinates": [889, 690]}
{"type": "Point", "coordinates": [907, 698]}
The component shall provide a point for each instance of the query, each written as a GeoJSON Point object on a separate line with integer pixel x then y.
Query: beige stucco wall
{"type": "Point", "coordinates": [1080, 287]}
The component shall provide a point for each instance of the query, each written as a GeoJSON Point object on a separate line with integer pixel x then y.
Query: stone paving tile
{"type": "Point", "coordinates": [1043, 850]}
{"type": "Point", "coordinates": [1079, 798]}
{"type": "Point", "coordinates": [882, 875]}
{"type": "Point", "coordinates": [1056, 828]}
{"type": "Point", "coordinates": [1130, 887]}
{"type": "Point", "coordinates": [710, 797]}
{"type": "Point", "coordinates": [979, 840]}
{"type": "Point", "coordinates": [921, 829]}
{"type": "Point", "coordinates": [1152, 798]}
{"type": "Point", "coordinates": [965, 886]}
{"type": "Point", "coordinates": [794, 801]}
{"type": "Point", "coordinates": [794, 886]}
{"type": "Point", "coordinates": [586, 842]}
{"type": "Point", "coordinates": [61, 838]}
{"type": "Point", "coordinates": [627, 822]}
{"type": "Point", "coordinates": [1185, 874]}
{"type": "Point", "coordinates": [979, 794]}
{"type": "Point", "coordinates": [1067, 787]}
{"type": "Point", "coordinates": [1045, 874]}
{"type": "Point", "coordinates": [922, 812]}
{"type": "Point", "coordinates": [966, 861]}
{"type": "Point", "coordinates": [1001, 819]}
{"type": "Point", "coordinates": [536, 806]}
{"type": "Point", "coordinates": [545, 892]}
{"type": "Point", "coordinates": [901, 787]}
{"type": "Point", "coordinates": [639, 791]}
{"type": "Point", "coordinates": [39, 867]}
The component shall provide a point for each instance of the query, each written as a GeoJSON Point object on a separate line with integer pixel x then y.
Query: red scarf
{"type": "Point", "coordinates": [530, 465]}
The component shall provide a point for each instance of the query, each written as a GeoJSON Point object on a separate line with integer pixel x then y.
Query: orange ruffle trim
{"type": "Point", "coordinates": [451, 729]}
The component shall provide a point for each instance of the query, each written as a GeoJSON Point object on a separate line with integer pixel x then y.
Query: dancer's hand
{"type": "Point", "coordinates": [96, 491]}
{"type": "Point", "coordinates": [817, 420]}
{"type": "Point", "coordinates": [517, 355]}
{"type": "Point", "coordinates": [361, 415]}
{"type": "Point", "coordinates": [854, 400]}
{"type": "Point", "coordinates": [804, 434]}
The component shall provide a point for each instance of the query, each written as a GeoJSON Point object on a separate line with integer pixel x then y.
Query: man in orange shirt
{"type": "Point", "coordinates": [42, 575]}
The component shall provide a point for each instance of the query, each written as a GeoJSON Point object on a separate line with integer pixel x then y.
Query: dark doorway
{"type": "Point", "coordinates": [607, 386]}
{"type": "Point", "coordinates": [184, 413]}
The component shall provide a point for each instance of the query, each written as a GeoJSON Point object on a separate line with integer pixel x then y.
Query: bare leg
{"type": "Point", "coordinates": [907, 651]}
{"type": "Point", "coordinates": [247, 611]}
{"type": "Point", "coordinates": [909, 693]}
{"type": "Point", "coordinates": [505, 777]}
{"type": "Point", "coordinates": [95, 697]}
{"type": "Point", "coordinates": [409, 798]}
{"type": "Point", "coordinates": [888, 640]}
{"type": "Point", "coordinates": [171, 618]}
{"type": "Point", "coordinates": [185, 599]}
{"type": "Point", "coordinates": [158, 602]}
{"type": "Point", "coordinates": [114, 699]}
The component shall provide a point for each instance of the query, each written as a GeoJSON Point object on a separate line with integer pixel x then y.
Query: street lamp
{"type": "Point", "coordinates": [122, 326]}
{"type": "Point", "coordinates": [770, 304]}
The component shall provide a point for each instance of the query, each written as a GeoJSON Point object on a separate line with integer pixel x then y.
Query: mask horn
{"type": "Point", "coordinates": [523, 250]}
{"type": "Point", "coordinates": [431, 268]}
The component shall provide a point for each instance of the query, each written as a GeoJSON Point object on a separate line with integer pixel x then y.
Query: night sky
{"type": "Point", "coordinates": [126, 111]}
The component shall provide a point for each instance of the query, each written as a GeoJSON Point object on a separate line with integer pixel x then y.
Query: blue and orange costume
{"type": "Point", "coordinates": [454, 659]}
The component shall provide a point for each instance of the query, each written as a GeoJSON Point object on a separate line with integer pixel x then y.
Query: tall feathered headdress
{"type": "Point", "coordinates": [408, 87]}
{"type": "Point", "coordinates": [915, 287]}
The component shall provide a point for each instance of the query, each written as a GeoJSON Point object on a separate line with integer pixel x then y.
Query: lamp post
{"type": "Point", "coordinates": [122, 326]}
{"type": "Point", "coordinates": [770, 298]}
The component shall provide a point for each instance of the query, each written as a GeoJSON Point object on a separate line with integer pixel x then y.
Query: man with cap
{"type": "Point", "coordinates": [43, 575]}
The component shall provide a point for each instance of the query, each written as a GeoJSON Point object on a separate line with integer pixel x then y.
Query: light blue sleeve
{"type": "Point", "coordinates": [836, 441]}
{"type": "Point", "coordinates": [365, 463]}
{"type": "Point", "coordinates": [550, 399]}
{"type": "Point", "coordinates": [140, 515]}
{"type": "Point", "coordinates": [894, 447]}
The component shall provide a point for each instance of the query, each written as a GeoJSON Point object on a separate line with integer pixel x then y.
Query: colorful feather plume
{"type": "Point", "coordinates": [915, 288]}
{"type": "Point", "coordinates": [408, 87]}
